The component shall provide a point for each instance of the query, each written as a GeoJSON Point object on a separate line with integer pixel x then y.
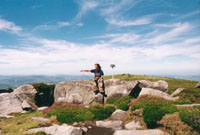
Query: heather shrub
{"type": "Point", "coordinates": [63, 106]}
{"type": "Point", "coordinates": [72, 115]}
{"type": "Point", "coordinates": [101, 112]}
{"type": "Point", "coordinates": [120, 103]}
{"type": "Point", "coordinates": [40, 133]}
{"type": "Point", "coordinates": [154, 111]}
{"type": "Point", "coordinates": [174, 126]}
{"type": "Point", "coordinates": [68, 113]}
{"type": "Point", "coordinates": [142, 101]}
{"type": "Point", "coordinates": [191, 116]}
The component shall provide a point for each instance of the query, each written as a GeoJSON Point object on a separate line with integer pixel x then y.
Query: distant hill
{"type": "Point", "coordinates": [15, 81]}
{"type": "Point", "coordinates": [185, 77]}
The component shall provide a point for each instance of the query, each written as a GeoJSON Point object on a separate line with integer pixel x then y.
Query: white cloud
{"type": "Point", "coordinates": [63, 24]}
{"type": "Point", "coordinates": [79, 24]}
{"type": "Point", "coordinates": [9, 26]}
{"type": "Point", "coordinates": [63, 57]}
{"type": "Point", "coordinates": [85, 6]}
{"type": "Point", "coordinates": [172, 34]}
{"type": "Point", "coordinates": [52, 26]}
{"type": "Point", "coordinates": [140, 21]}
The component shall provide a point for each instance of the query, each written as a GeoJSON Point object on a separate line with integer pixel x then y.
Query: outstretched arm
{"type": "Point", "coordinates": [85, 70]}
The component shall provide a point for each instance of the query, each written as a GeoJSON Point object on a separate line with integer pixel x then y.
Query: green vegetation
{"type": "Point", "coordinates": [40, 133]}
{"type": "Point", "coordinates": [45, 94]}
{"type": "Point", "coordinates": [101, 112]}
{"type": "Point", "coordinates": [19, 124]}
{"type": "Point", "coordinates": [191, 116]}
{"type": "Point", "coordinates": [71, 115]}
{"type": "Point", "coordinates": [68, 113]}
{"type": "Point", "coordinates": [190, 94]}
{"type": "Point", "coordinates": [120, 103]}
{"type": "Point", "coordinates": [154, 112]}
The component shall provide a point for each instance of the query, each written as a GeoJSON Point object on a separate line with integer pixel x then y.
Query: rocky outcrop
{"type": "Point", "coordinates": [9, 103]}
{"type": "Point", "coordinates": [159, 85]}
{"type": "Point", "coordinates": [118, 115]}
{"type": "Point", "coordinates": [139, 132]}
{"type": "Point", "coordinates": [133, 125]}
{"type": "Point", "coordinates": [157, 93]}
{"type": "Point", "coordinates": [58, 130]}
{"type": "Point", "coordinates": [82, 91]}
{"type": "Point", "coordinates": [198, 85]}
{"type": "Point", "coordinates": [115, 124]}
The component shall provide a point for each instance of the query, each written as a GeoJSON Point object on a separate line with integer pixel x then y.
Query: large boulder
{"type": "Point", "coordinates": [139, 132]}
{"type": "Point", "coordinates": [119, 88]}
{"type": "Point", "coordinates": [157, 93]}
{"type": "Point", "coordinates": [118, 115]}
{"type": "Point", "coordinates": [198, 85]}
{"type": "Point", "coordinates": [9, 103]}
{"type": "Point", "coordinates": [159, 85]}
{"type": "Point", "coordinates": [26, 92]}
{"type": "Point", "coordinates": [82, 91]}
{"type": "Point", "coordinates": [57, 130]}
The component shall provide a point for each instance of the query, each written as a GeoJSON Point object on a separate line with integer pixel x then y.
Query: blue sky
{"type": "Point", "coordinates": [159, 37]}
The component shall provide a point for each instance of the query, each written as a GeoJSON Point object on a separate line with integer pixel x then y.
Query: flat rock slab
{"type": "Point", "coordinates": [133, 125]}
{"type": "Point", "coordinates": [139, 132]}
{"type": "Point", "coordinates": [42, 121]}
{"type": "Point", "coordinates": [176, 92]}
{"type": "Point", "coordinates": [58, 130]}
{"type": "Point", "coordinates": [114, 124]}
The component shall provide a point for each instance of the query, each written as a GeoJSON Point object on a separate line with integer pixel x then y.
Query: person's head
{"type": "Point", "coordinates": [97, 66]}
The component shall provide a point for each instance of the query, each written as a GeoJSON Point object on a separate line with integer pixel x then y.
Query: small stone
{"type": "Point", "coordinates": [84, 129]}
{"type": "Point", "coordinates": [75, 124]}
{"type": "Point", "coordinates": [42, 108]}
{"type": "Point", "coordinates": [118, 115]}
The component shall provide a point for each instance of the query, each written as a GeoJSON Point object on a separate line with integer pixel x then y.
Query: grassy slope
{"type": "Point", "coordinates": [19, 124]}
{"type": "Point", "coordinates": [189, 95]}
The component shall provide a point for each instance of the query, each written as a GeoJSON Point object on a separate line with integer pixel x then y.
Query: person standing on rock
{"type": "Point", "coordinates": [98, 79]}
